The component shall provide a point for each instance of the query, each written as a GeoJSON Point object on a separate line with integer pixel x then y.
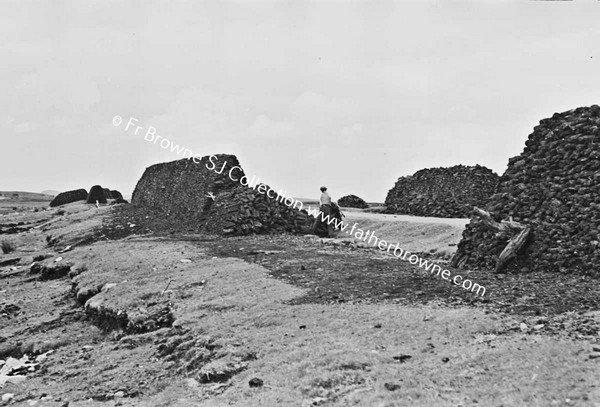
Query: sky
{"type": "Point", "coordinates": [350, 95]}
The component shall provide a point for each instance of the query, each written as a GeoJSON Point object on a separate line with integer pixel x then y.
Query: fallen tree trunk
{"type": "Point", "coordinates": [512, 248]}
{"type": "Point", "coordinates": [506, 227]}
{"type": "Point", "coordinates": [516, 233]}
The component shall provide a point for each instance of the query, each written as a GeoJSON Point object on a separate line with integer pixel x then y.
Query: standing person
{"type": "Point", "coordinates": [326, 210]}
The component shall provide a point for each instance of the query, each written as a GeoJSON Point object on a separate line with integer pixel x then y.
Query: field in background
{"type": "Point", "coordinates": [22, 201]}
{"type": "Point", "coordinates": [20, 196]}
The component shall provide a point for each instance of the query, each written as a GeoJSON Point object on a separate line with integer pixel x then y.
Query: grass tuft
{"type": "Point", "coordinates": [7, 247]}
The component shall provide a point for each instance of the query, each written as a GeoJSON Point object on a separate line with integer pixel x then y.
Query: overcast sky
{"type": "Point", "coordinates": [351, 95]}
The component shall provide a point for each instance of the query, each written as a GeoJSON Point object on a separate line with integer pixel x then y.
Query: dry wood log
{"type": "Point", "coordinates": [512, 248]}
{"type": "Point", "coordinates": [506, 227]}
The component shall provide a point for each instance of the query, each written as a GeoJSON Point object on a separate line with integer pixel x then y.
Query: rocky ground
{"type": "Point", "coordinates": [111, 312]}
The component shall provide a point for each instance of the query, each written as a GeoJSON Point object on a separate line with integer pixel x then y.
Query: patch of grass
{"type": "Point", "coordinates": [8, 247]}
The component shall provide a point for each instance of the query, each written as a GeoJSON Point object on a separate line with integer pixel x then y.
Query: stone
{"type": "Point", "coordinates": [391, 386]}
{"type": "Point", "coordinates": [9, 349]}
{"type": "Point", "coordinates": [108, 286]}
{"type": "Point", "coordinates": [402, 358]}
{"type": "Point", "coordinates": [77, 270]}
{"type": "Point", "coordinates": [9, 262]}
{"type": "Point", "coordinates": [51, 271]}
{"type": "Point", "coordinates": [255, 382]}
{"type": "Point", "coordinates": [36, 268]}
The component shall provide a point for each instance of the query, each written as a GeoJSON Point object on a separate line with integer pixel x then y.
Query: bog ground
{"type": "Point", "coordinates": [129, 316]}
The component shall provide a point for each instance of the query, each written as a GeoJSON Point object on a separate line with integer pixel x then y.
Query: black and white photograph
{"type": "Point", "coordinates": [263, 203]}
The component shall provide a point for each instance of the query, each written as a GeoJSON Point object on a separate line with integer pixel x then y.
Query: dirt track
{"type": "Point", "coordinates": [414, 233]}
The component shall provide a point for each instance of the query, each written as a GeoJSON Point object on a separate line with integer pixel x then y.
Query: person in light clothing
{"type": "Point", "coordinates": [326, 210]}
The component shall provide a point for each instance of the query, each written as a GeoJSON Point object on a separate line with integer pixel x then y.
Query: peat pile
{"type": "Point", "coordinates": [352, 201]}
{"type": "Point", "coordinates": [69, 196]}
{"type": "Point", "coordinates": [116, 194]}
{"type": "Point", "coordinates": [450, 192]}
{"type": "Point", "coordinates": [554, 187]}
{"type": "Point", "coordinates": [182, 192]}
{"type": "Point", "coordinates": [97, 193]}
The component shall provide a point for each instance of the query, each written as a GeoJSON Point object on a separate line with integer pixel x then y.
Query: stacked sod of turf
{"type": "Point", "coordinates": [554, 186]}
{"type": "Point", "coordinates": [97, 194]}
{"type": "Point", "coordinates": [442, 192]}
{"type": "Point", "coordinates": [116, 194]}
{"type": "Point", "coordinates": [352, 201]}
{"type": "Point", "coordinates": [68, 197]}
{"type": "Point", "coordinates": [182, 191]}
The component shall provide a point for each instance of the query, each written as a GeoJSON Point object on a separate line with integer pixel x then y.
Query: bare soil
{"type": "Point", "coordinates": [156, 317]}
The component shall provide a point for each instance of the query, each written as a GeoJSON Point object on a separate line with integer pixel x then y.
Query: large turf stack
{"type": "Point", "coordinates": [116, 194]}
{"type": "Point", "coordinates": [98, 194]}
{"type": "Point", "coordinates": [180, 191]}
{"type": "Point", "coordinates": [554, 186]}
{"type": "Point", "coordinates": [442, 192]}
{"type": "Point", "coordinates": [352, 201]}
{"type": "Point", "coordinates": [69, 196]}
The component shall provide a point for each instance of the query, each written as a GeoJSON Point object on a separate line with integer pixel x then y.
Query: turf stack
{"type": "Point", "coordinates": [442, 192]}
{"type": "Point", "coordinates": [352, 201]}
{"type": "Point", "coordinates": [554, 186]}
{"type": "Point", "coordinates": [180, 191]}
{"type": "Point", "coordinates": [116, 194]}
{"type": "Point", "coordinates": [96, 194]}
{"type": "Point", "coordinates": [69, 196]}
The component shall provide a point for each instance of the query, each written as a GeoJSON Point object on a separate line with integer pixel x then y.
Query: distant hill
{"type": "Point", "coordinates": [24, 196]}
{"type": "Point", "coordinates": [51, 192]}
